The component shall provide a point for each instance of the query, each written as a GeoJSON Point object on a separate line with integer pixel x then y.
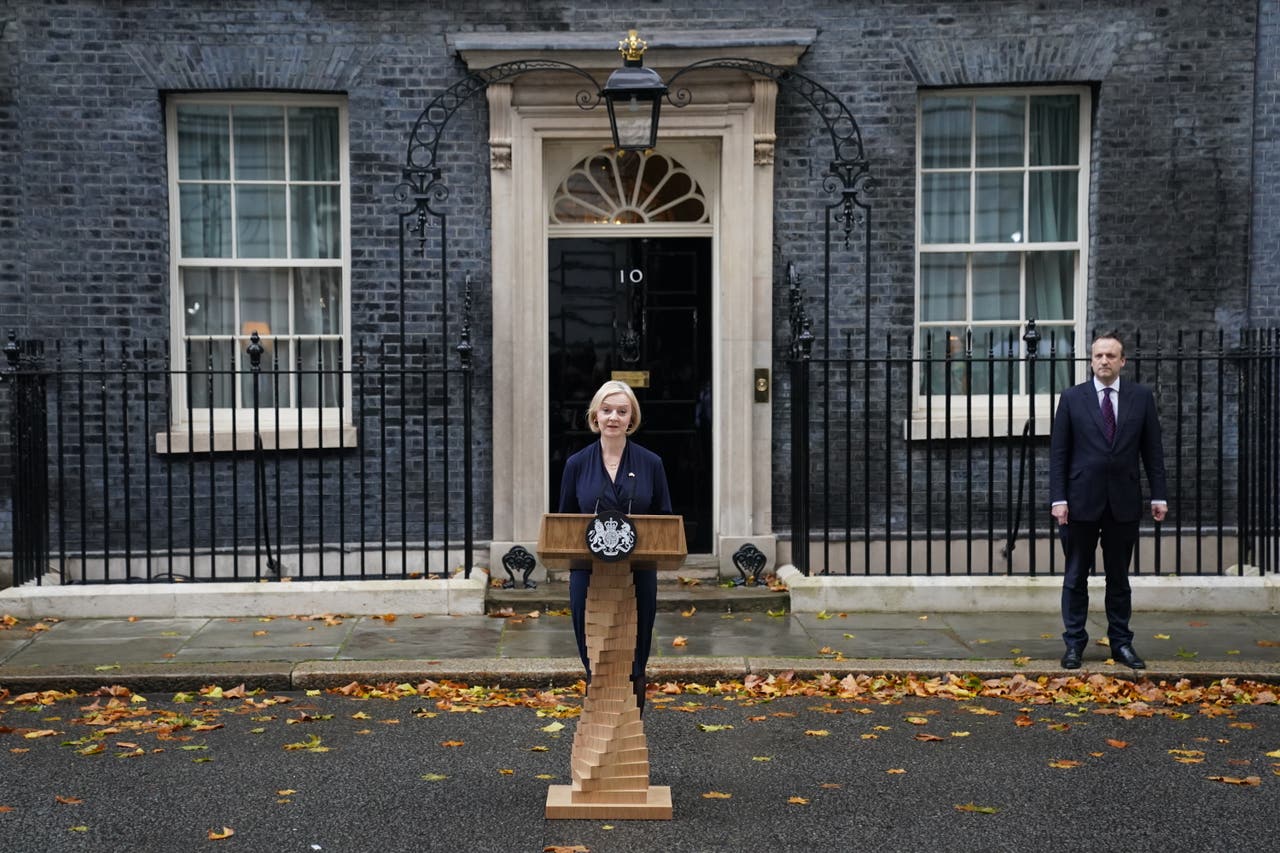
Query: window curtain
{"type": "Point", "coordinates": [313, 162]}
{"type": "Point", "coordinates": [204, 155]}
{"type": "Point", "coordinates": [945, 144]}
{"type": "Point", "coordinates": [1054, 205]}
{"type": "Point", "coordinates": [318, 311]}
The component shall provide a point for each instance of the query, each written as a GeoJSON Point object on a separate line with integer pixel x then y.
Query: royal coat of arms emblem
{"type": "Point", "coordinates": [611, 536]}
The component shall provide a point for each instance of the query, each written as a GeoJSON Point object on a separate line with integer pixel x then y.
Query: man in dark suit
{"type": "Point", "coordinates": [1100, 432]}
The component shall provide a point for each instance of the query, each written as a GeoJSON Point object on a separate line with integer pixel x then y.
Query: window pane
{"type": "Point", "coordinates": [999, 208]}
{"type": "Point", "coordinates": [209, 374]}
{"type": "Point", "coordinates": [1054, 375]}
{"type": "Point", "coordinates": [260, 221]}
{"type": "Point", "coordinates": [259, 135]}
{"type": "Point", "coordinates": [1055, 130]}
{"type": "Point", "coordinates": [313, 144]}
{"type": "Point", "coordinates": [1051, 285]}
{"type": "Point", "coordinates": [944, 133]}
{"type": "Point", "coordinates": [995, 286]}
{"type": "Point", "coordinates": [264, 309]}
{"type": "Point", "coordinates": [689, 210]}
{"type": "Point", "coordinates": [264, 302]}
{"type": "Point", "coordinates": [316, 217]}
{"type": "Point", "coordinates": [945, 203]}
{"type": "Point", "coordinates": [319, 380]}
{"type": "Point", "coordinates": [999, 131]}
{"type": "Point", "coordinates": [995, 359]}
{"type": "Point", "coordinates": [205, 213]}
{"type": "Point", "coordinates": [273, 378]}
{"type": "Point", "coordinates": [942, 287]}
{"type": "Point", "coordinates": [1053, 206]}
{"type": "Point", "coordinates": [202, 143]}
{"type": "Point", "coordinates": [943, 362]}
{"type": "Point", "coordinates": [318, 310]}
{"type": "Point", "coordinates": [655, 169]}
{"type": "Point", "coordinates": [573, 210]}
{"type": "Point", "coordinates": [270, 393]}
{"type": "Point", "coordinates": [208, 304]}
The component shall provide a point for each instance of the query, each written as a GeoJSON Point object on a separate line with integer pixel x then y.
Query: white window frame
{"type": "Point", "coordinates": [222, 429]}
{"type": "Point", "coordinates": [929, 419]}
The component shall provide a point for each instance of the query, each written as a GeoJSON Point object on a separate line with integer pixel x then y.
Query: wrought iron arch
{"type": "Point", "coordinates": [849, 171]}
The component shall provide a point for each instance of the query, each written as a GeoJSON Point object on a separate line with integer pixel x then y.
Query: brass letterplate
{"type": "Point", "coordinates": [634, 378]}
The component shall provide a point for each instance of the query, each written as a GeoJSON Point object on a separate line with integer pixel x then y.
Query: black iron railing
{"type": "Point", "coordinates": [899, 469]}
{"type": "Point", "coordinates": [117, 476]}
{"type": "Point", "coordinates": [895, 468]}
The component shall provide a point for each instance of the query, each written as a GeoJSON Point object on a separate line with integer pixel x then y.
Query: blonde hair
{"type": "Point", "coordinates": [613, 386]}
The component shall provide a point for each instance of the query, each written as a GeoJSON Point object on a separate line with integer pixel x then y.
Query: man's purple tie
{"type": "Point", "coordinates": [1108, 415]}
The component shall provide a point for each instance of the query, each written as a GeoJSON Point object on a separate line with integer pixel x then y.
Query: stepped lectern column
{"type": "Point", "coordinates": [610, 759]}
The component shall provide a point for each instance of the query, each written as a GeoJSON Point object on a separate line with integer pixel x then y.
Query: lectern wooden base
{"type": "Point", "coordinates": [656, 806]}
{"type": "Point", "coordinates": [610, 759]}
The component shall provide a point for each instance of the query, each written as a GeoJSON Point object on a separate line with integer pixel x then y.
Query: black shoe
{"type": "Point", "coordinates": [1126, 655]}
{"type": "Point", "coordinates": [1071, 658]}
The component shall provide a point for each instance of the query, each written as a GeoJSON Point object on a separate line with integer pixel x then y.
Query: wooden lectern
{"type": "Point", "coordinates": [610, 760]}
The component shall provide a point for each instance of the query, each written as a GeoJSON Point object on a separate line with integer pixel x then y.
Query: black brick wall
{"type": "Point", "coordinates": [1264, 267]}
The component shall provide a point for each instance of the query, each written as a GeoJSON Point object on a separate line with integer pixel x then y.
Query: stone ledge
{"type": "Point", "coordinates": [507, 672]}
{"type": "Point", "coordinates": [455, 596]}
{"type": "Point", "coordinates": [978, 594]}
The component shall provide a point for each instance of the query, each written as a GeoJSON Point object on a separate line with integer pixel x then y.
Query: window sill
{"type": "Point", "coordinates": [922, 428]}
{"type": "Point", "coordinates": [182, 440]}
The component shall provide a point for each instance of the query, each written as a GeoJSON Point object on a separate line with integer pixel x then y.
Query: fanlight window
{"type": "Point", "coordinates": [628, 188]}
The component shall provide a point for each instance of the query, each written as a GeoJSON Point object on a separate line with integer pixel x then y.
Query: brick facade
{"type": "Point", "coordinates": [1264, 261]}
{"type": "Point", "coordinates": [1185, 172]}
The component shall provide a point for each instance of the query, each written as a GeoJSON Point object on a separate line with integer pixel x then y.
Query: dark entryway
{"type": "Point", "coordinates": [637, 309]}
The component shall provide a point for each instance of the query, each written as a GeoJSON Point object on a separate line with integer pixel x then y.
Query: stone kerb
{"type": "Point", "coordinates": [455, 596]}
{"type": "Point", "coordinates": [967, 594]}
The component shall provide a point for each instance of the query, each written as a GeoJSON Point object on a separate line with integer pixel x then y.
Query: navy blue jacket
{"type": "Point", "coordinates": [641, 487]}
{"type": "Point", "coordinates": [1088, 473]}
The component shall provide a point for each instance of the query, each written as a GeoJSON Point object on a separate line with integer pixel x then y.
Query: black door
{"type": "Point", "coordinates": [637, 309]}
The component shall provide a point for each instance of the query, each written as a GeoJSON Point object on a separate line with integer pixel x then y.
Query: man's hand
{"type": "Point", "coordinates": [1159, 511]}
{"type": "Point", "coordinates": [1059, 512]}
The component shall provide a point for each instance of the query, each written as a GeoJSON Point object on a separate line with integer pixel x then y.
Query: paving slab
{"type": "Point", "coordinates": [90, 654]}
{"type": "Point", "coordinates": [851, 619]}
{"type": "Point", "coordinates": [1005, 635]}
{"type": "Point", "coordinates": [896, 643]}
{"type": "Point", "coordinates": [286, 654]}
{"type": "Point", "coordinates": [251, 632]}
{"type": "Point", "coordinates": [98, 630]}
{"type": "Point", "coordinates": [540, 642]}
{"type": "Point", "coordinates": [426, 637]}
{"type": "Point", "coordinates": [969, 626]}
{"type": "Point", "coordinates": [707, 634]}
{"type": "Point", "coordinates": [11, 643]}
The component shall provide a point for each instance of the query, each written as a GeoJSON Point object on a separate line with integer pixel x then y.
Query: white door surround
{"type": "Point", "coordinates": [727, 134]}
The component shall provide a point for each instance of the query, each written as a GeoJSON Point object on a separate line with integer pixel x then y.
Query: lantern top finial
{"type": "Point", "coordinates": [632, 47]}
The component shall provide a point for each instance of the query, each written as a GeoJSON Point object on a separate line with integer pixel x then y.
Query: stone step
{"type": "Point", "coordinates": [704, 568]}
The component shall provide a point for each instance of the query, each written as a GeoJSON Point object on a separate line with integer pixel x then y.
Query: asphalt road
{"type": "Point", "coordinates": [409, 775]}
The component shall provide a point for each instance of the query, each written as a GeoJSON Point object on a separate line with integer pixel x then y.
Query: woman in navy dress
{"type": "Point", "coordinates": [616, 474]}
